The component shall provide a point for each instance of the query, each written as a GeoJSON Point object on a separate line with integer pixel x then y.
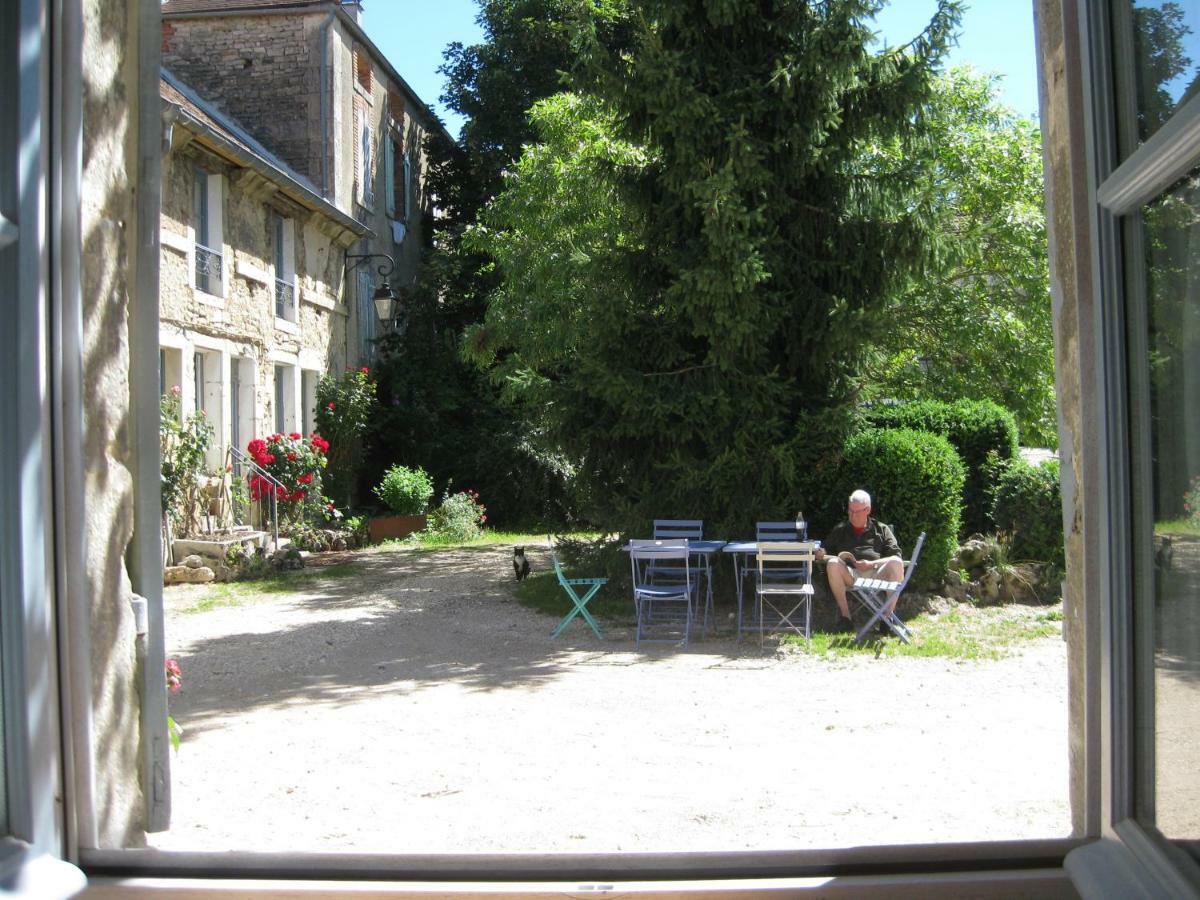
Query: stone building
{"type": "Point", "coordinates": [250, 292]}
{"type": "Point", "coordinates": [310, 84]}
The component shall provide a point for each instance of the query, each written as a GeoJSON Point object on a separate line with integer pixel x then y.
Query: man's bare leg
{"type": "Point", "coordinates": [840, 578]}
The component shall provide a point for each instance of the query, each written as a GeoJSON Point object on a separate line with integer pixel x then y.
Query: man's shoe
{"type": "Point", "coordinates": [844, 626]}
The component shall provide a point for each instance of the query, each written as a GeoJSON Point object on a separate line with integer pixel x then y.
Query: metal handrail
{"type": "Point", "coordinates": [239, 457]}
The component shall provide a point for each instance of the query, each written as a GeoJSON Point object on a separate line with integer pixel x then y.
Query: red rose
{"type": "Point", "coordinates": [365, 370]}
{"type": "Point", "coordinates": [306, 478]}
{"type": "Point", "coordinates": [295, 435]}
{"type": "Point", "coordinates": [291, 457]}
{"type": "Point", "coordinates": [331, 405]}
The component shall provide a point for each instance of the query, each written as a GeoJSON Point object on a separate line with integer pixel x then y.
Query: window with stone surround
{"type": "Point", "coordinates": [362, 69]}
{"type": "Point", "coordinates": [283, 238]}
{"type": "Point", "coordinates": [364, 166]}
{"type": "Point", "coordinates": [208, 225]}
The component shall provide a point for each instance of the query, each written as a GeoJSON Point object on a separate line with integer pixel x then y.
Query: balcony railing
{"type": "Point", "coordinates": [208, 270]}
{"type": "Point", "coordinates": [285, 300]}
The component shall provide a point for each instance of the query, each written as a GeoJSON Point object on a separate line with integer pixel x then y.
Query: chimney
{"type": "Point", "coordinates": [354, 7]}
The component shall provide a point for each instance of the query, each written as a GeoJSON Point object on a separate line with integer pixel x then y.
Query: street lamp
{"type": "Point", "coordinates": [384, 299]}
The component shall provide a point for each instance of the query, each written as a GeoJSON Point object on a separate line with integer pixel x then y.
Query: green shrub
{"type": "Point", "coordinates": [915, 480]}
{"type": "Point", "coordinates": [1028, 507]}
{"type": "Point", "coordinates": [405, 491]}
{"type": "Point", "coordinates": [460, 517]}
{"type": "Point", "coordinates": [974, 428]}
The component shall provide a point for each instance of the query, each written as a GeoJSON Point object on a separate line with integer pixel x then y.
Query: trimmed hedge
{"type": "Point", "coordinates": [915, 480]}
{"type": "Point", "coordinates": [1028, 505]}
{"type": "Point", "coordinates": [973, 428]}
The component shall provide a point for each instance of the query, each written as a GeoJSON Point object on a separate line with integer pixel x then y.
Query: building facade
{"type": "Point", "coordinates": [251, 305]}
{"type": "Point", "coordinates": [321, 97]}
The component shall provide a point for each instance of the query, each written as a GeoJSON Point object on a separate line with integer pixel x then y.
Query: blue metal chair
{"type": "Point", "coordinates": [664, 610]}
{"type": "Point", "coordinates": [690, 530]}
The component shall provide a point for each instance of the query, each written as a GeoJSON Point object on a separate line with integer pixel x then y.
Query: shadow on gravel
{"type": "Point", "coordinates": [408, 621]}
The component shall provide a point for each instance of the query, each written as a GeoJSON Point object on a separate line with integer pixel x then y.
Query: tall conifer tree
{"type": "Point", "coordinates": [717, 378]}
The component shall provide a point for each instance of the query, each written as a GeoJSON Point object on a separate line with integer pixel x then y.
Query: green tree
{"type": "Point", "coordinates": [977, 324]}
{"type": "Point", "coordinates": [438, 411]}
{"type": "Point", "coordinates": [711, 328]}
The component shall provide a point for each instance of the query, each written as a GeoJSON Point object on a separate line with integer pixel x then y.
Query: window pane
{"type": "Point", "coordinates": [1169, 667]}
{"type": "Point", "coordinates": [1166, 48]}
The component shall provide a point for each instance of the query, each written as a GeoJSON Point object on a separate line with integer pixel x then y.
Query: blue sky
{"type": "Point", "coordinates": [996, 36]}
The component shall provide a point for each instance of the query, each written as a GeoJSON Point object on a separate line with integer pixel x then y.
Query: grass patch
{"type": "Point", "coordinates": [543, 593]}
{"type": "Point", "coordinates": [964, 632]}
{"type": "Point", "coordinates": [1177, 526]}
{"type": "Point", "coordinates": [234, 593]}
{"type": "Point", "coordinates": [423, 541]}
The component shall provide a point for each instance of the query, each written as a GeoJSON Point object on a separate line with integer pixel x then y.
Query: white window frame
{"type": "Point", "coordinates": [211, 235]}
{"type": "Point", "coordinates": [283, 241]}
{"type": "Point", "coordinates": [285, 386]}
{"type": "Point", "coordinates": [834, 870]}
{"type": "Point", "coordinates": [1128, 860]}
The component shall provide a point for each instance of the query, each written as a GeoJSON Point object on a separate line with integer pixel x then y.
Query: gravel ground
{"type": "Point", "coordinates": [416, 707]}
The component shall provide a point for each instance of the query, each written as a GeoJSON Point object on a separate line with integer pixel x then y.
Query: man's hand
{"type": "Point", "coordinates": [820, 553]}
{"type": "Point", "coordinates": [863, 564]}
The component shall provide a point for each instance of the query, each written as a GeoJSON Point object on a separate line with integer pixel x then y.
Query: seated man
{"type": "Point", "coordinates": [875, 551]}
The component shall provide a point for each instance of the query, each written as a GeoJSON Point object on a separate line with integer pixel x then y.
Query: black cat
{"type": "Point", "coordinates": [520, 563]}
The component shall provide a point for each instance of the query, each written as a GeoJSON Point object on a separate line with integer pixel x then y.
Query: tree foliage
{"type": "Point", "coordinates": [978, 323]}
{"type": "Point", "coordinates": [691, 274]}
{"type": "Point", "coordinates": [440, 412]}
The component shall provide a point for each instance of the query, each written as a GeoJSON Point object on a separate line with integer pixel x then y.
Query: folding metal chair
{"type": "Point", "coordinates": [874, 594]}
{"type": "Point", "coordinates": [784, 587]}
{"type": "Point", "coordinates": [690, 530]}
{"type": "Point", "coordinates": [569, 585]}
{"type": "Point", "coordinates": [662, 608]}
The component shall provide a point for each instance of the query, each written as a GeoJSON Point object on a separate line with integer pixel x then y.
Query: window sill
{"type": "Point", "coordinates": [251, 272]}
{"type": "Point", "coordinates": [1130, 864]}
{"type": "Point", "coordinates": [319, 300]}
{"type": "Point", "coordinates": [286, 327]}
{"type": "Point", "coordinates": [44, 878]}
{"type": "Point", "coordinates": [214, 300]}
{"type": "Point", "coordinates": [180, 243]}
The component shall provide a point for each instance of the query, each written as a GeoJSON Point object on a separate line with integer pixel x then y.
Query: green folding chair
{"type": "Point", "coordinates": [570, 585]}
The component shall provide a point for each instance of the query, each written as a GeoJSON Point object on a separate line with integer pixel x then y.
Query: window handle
{"type": "Point", "coordinates": [8, 232]}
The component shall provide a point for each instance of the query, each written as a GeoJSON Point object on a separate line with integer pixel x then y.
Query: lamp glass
{"type": "Point", "coordinates": [385, 303]}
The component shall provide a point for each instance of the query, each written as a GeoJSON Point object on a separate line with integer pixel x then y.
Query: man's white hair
{"type": "Point", "coordinates": [860, 496]}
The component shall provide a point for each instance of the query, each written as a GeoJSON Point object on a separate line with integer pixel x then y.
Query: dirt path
{"type": "Point", "coordinates": [419, 708]}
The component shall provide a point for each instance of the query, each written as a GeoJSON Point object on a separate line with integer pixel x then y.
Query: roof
{"type": "Point", "coordinates": [233, 140]}
{"type": "Point", "coordinates": [216, 8]}
{"type": "Point", "coordinates": [190, 6]}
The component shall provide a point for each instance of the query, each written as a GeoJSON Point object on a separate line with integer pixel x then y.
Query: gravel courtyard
{"type": "Point", "coordinates": [414, 706]}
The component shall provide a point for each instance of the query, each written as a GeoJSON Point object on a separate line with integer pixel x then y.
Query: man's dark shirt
{"type": "Point", "coordinates": [876, 541]}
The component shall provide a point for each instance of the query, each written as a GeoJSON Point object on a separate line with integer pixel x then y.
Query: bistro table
{"type": "Point", "coordinates": [745, 562]}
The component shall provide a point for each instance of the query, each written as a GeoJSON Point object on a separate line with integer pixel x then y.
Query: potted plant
{"type": "Point", "coordinates": [405, 492]}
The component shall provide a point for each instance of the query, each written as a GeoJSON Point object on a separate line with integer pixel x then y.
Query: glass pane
{"type": "Point", "coordinates": [1170, 662]}
{"type": "Point", "coordinates": [1166, 48]}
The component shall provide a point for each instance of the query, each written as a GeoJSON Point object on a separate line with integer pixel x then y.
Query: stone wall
{"type": "Point", "coordinates": [108, 223]}
{"type": "Point", "coordinates": [265, 71]}
{"type": "Point", "coordinates": [239, 320]}
{"type": "Point", "coordinates": [1067, 216]}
